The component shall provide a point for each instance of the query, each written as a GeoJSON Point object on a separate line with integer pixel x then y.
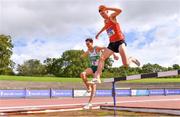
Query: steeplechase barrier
{"type": "Point", "coordinates": [138, 76]}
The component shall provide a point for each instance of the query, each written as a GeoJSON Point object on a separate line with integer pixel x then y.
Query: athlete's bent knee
{"type": "Point", "coordinates": [83, 74]}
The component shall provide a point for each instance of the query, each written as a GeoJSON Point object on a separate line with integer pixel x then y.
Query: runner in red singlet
{"type": "Point", "coordinates": [116, 38]}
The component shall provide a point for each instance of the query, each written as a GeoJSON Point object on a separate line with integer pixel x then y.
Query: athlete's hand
{"type": "Point", "coordinates": [116, 57]}
{"type": "Point", "coordinates": [97, 36]}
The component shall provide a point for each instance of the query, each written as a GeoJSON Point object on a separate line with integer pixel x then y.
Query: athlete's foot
{"type": "Point", "coordinates": [95, 81]}
{"type": "Point", "coordinates": [88, 106]}
{"type": "Point", "coordinates": [135, 61]}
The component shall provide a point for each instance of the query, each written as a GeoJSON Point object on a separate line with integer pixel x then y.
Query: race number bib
{"type": "Point", "coordinates": [95, 63]}
{"type": "Point", "coordinates": [110, 32]}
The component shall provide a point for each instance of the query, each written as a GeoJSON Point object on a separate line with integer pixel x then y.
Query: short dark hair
{"type": "Point", "coordinates": [89, 39]}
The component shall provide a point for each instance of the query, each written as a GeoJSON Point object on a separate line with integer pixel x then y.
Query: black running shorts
{"type": "Point", "coordinates": [114, 46]}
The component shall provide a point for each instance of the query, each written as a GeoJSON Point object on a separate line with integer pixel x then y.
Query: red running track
{"type": "Point", "coordinates": [170, 102]}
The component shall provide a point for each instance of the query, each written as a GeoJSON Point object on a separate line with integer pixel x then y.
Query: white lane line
{"type": "Point", "coordinates": [58, 110]}
{"type": "Point", "coordinates": [80, 104]}
{"type": "Point", "coordinates": [41, 106]}
{"type": "Point", "coordinates": [152, 100]}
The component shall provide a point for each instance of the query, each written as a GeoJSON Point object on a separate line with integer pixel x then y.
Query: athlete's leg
{"type": "Point", "coordinates": [84, 75]}
{"type": "Point", "coordinates": [93, 91]}
{"type": "Point", "coordinates": [123, 53]}
{"type": "Point", "coordinates": [106, 54]}
{"type": "Point", "coordinates": [125, 59]}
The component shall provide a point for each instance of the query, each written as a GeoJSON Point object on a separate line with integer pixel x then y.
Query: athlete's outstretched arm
{"type": "Point", "coordinates": [84, 54]}
{"type": "Point", "coordinates": [104, 28]}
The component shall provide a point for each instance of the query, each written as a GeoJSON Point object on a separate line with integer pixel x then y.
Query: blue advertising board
{"type": "Point", "coordinates": [12, 93]}
{"type": "Point", "coordinates": [61, 93]}
{"type": "Point", "coordinates": [103, 93]}
{"type": "Point", "coordinates": [37, 93]}
{"type": "Point", "coordinates": [123, 92]}
{"type": "Point", "coordinates": [172, 91]}
{"type": "Point", "coordinates": [156, 92]}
